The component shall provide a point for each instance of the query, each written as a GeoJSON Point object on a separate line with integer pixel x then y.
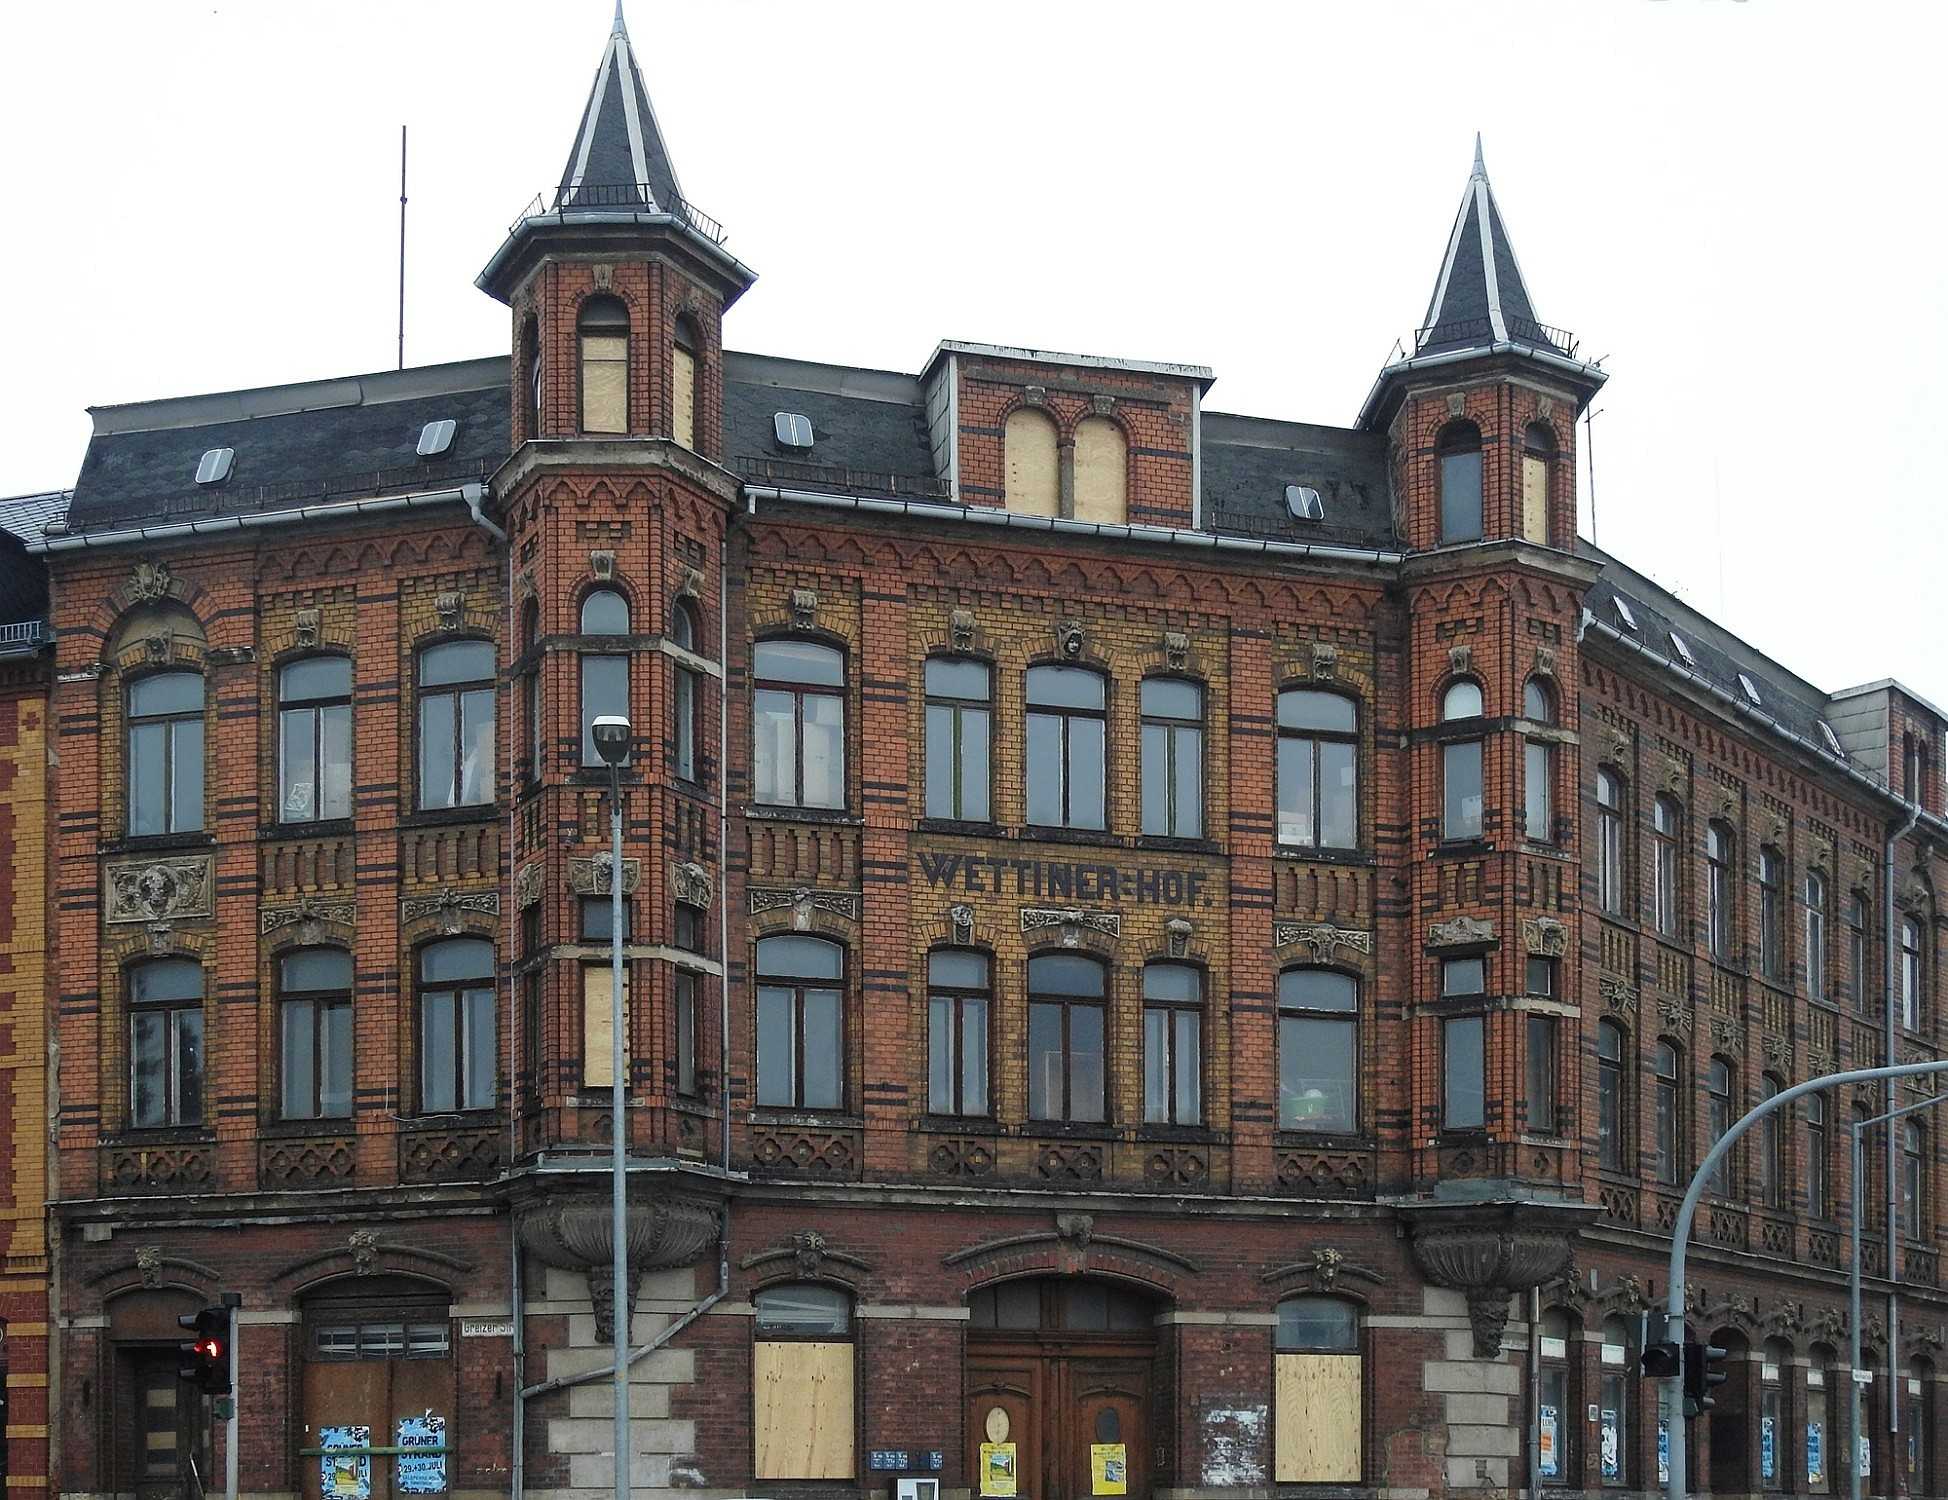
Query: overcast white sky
{"type": "Point", "coordinates": [1739, 205]}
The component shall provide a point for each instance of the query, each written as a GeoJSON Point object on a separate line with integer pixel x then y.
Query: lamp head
{"type": "Point", "coordinates": [612, 735]}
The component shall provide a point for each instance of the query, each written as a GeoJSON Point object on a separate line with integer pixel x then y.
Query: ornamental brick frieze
{"type": "Point", "coordinates": [589, 876]}
{"type": "Point", "coordinates": [159, 890]}
{"type": "Point", "coordinates": [1545, 937]}
{"type": "Point", "coordinates": [802, 901]}
{"type": "Point", "coordinates": [1073, 922]}
{"type": "Point", "coordinates": [1461, 932]}
{"type": "Point", "coordinates": [572, 1231]}
{"type": "Point", "coordinates": [307, 912]}
{"type": "Point", "coordinates": [447, 909]}
{"type": "Point", "coordinates": [1321, 939]}
{"type": "Point", "coordinates": [1489, 1253]}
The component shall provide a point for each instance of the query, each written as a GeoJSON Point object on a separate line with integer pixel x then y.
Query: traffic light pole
{"type": "Point", "coordinates": [1688, 1211]}
{"type": "Point", "coordinates": [232, 1301]}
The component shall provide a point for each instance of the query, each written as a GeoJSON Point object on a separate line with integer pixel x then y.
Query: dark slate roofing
{"type": "Point", "coordinates": [23, 578]}
{"type": "Point", "coordinates": [1479, 296]}
{"type": "Point", "coordinates": [869, 427]}
{"type": "Point", "coordinates": [294, 444]}
{"type": "Point", "coordinates": [28, 516]}
{"type": "Point", "coordinates": [1248, 462]}
{"type": "Point", "coordinates": [618, 158]}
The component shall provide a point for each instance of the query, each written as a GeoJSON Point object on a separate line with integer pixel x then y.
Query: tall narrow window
{"type": "Point", "coordinates": [1816, 934]}
{"type": "Point", "coordinates": [798, 724]}
{"type": "Point", "coordinates": [457, 1051]}
{"type": "Point", "coordinates": [1819, 1157]}
{"type": "Point", "coordinates": [1464, 1094]}
{"type": "Point", "coordinates": [686, 692]}
{"type": "Point", "coordinates": [1614, 1383]}
{"type": "Point", "coordinates": [1461, 785]}
{"type": "Point", "coordinates": [1554, 1393]}
{"type": "Point", "coordinates": [1319, 1392]}
{"type": "Point", "coordinates": [1101, 472]}
{"type": "Point", "coordinates": [603, 332]}
{"type": "Point", "coordinates": [1032, 478]}
{"type": "Point", "coordinates": [801, 1018]}
{"type": "Point", "coordinates": [1772, 914]}
{"type": "Point", "coordinates": [1918, 1426]}
{"type": "Point", "coordinates": [1609, 841]}
{"type": "Point", "coordinates": [1459, 451]}
{"type": "Point", "coordinates": [957, 1032]}
{"type": "Point", "coordinates": [1858, 980]}
{"type": "Point", "coordinates": [314, 740]}
{"type": "Point", "coordinates": [456, 725]}
{"type": "Point", "coordinates": [1066, 729]}
{"type": "Point", "coordinates": [531, 726]}
{"type": "Point", "coordinates": [960, 717]}
{"type": "Point", "coordinates": [531, 360]}
{"type": "Point", "coordinates": [802, 1365]}
{"type": "Point", "coordinates": [605, 675]}
{"type": "Point", "coordinates": [165, 753]}
{"type": "Point", "coordinates": [165, 1042]}
{"type": "Point", "coordinates": [683, 384]}
{"type": "Point", "coordinates": [1910, 973]}
{"type": "Point", "coordinates": [1541, 1073]}
{"type": "Point", "coordinates": [1173, 1045]}
{"type": "Point", "coordinates": [1718, 1120]}
{"type": "Point", "coordinates": [1772, 1149]}
{"type": "Point", "coordinates": [1720, 908]}
{"type": "Point", "coordinates": [1609, 1096]}
{"type": "Point", "coordinates": [315, 1017]}
{"type": "Point", "coordinates": [1065, 1038]}
{"type": "Point", "coordinates": [1820, 1433]}
{"type": "Point", "coordinates": [689, 931]}
{"type": "Point", "coordinates": [1538, 459]}
{"type": "Point", "coordinates": [1173, 757]}
{"type": "Point", "coordinates": [1318, 769]}
{"type": "Point", "coordinates": [1538, 766]}
{"type": "Point", "coordinates": [1668, 1112]}
{"type": "Point", "coordinates": [1914, 1178]}
{"type": "Point", "coordinates": [1318, 1050]}
{"type": "Point", "coordinates": [1775, 1429]}
{"type": "Point", "coordinates": [1666, 832]}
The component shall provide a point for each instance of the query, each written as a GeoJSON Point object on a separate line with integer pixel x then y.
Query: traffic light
{"type": "Point", "coordinates": [1660, 1361]}
{"type": "Point", "coordinates": [1703, 1369]}
{"type": "Point", "coordinates": [205, 1362]}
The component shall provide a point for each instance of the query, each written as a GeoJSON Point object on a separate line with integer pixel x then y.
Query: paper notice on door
{"type": "Point", "coordinates": [348, 1475]}
{"type": "Point", "coordinates": [421, 1475]}
{"type": "Point", "coordinates": [1109, 1469]}
{"type": "Point", "coordinates": [998, 1475]}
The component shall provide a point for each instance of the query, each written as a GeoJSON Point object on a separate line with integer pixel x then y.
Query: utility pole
{"type": "Point", "coordinates": [402, 247]}
{"type": "Point", "coordinates": [233, 1301]}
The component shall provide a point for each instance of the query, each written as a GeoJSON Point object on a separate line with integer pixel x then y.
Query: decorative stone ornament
{"type": "Point", "coordinates": [1545, 407]}
{"type": "Point", "coordinates": [1101, 405]}
{"type": "Point", "coordinates": [527, 884]}
{"type": "Point", "coordinates": [690, 883]}
{"type": "Point", "coordinates": [960, 629]}
{"type": "Point", "coordinates": [148, 1261]}
{"type": "Point", "coordinates": [448, 608]}
{"type": "Point", "coordinates": [364, 1245]}
{"type": "Point", "coordinates": [1545, 937]}
{"type": "Point", "coordinates": [304, 630]}
{"type": "Point", "coordinates": [160, 889]}
{"type": "Point", "coordinates": [1070, 639]}
{"type": "Point", "coordinates": [602, 565]}
{"type": "Point", "coordinates": [1325, 660]}
{"type": "Point", "coordinates": [590, 876]}
{"type": "Point", "coordinates": [1177, 933]}
{"type": "Point", "coordinates": [1545, 660]}
{"type": "Point", "coordinates": [1176, 649]}
{"type": "Point", "coordinates": [1034, 395]}
{"type": "Point", "coordinates": [689, 584]}
{"type": "Point", "coordinates": [447, 906]}
{"type": "Point", "coordinates": [1460, 659]}
{"type": "Point", "coordinates": [804, 609]}
{"type": "Point", "coordinates": [603, 275]}
{"type": "Point", "coordinates": [1456, 403]}
{"type": "Point", "coordinates": [160, 647]}
{"type": "Point", "coordinates": [1489, 1253]}
{"type": "Point", "coordinates": [961, 919]}
{"type": "Point", "coordinates": [1323, 1269]}
{"type": "Point", "coordinates": [309, 914]}
{"type": "Point", "coordinates": [572, 1230]}
{"type": "Point", "coordinates": [1619, 996]}
{"type": "Point", "coordinates": [1073, 921]}
{"type": "Point", "coordinates": [1461, 932]}
{"type": "Point", "coordinates": [1323, 939]}
{"type": "Point", "coordinates": [803, 901]}
{"type": "Point", "coordinates": [148, 582]}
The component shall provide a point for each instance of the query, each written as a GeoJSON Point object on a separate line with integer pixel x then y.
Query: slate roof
{"type": "Point", "coordinates": [618, 158]}
{"type": "Point", "coordinates": [23, 578]}
{"type": "Point", "coordinates": [870, 423]}
{"type": "Point", "coordinates": [1479, 296]}
{"type": "Point", "coordinates": [1248, 462]}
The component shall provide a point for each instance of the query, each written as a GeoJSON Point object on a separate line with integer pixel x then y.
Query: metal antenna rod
{"type": "Point", "coordinates": [402, 247]}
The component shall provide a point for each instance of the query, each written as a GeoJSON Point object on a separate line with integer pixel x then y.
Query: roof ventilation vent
{"type": "Point", "coordinates": [1751, 690]}
{"type": "Point", "coordinates": [214, 466]}
{"type": "Point", "coordinates": [436, 438]}
{"type": "Point", "coordinates": [793, 430]}
{"type": "Point", "coordinates": [1624, 613]}
{"type": "Point", "coordinates": [1832, 740]}
{"type": "Point", "coordinates": [1303, 501]}
{"type": "Point", "coordinates": [1683, 651]}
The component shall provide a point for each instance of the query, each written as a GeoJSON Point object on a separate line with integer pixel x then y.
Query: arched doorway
{"type": "Point", "coordinates": [1060, 1376]}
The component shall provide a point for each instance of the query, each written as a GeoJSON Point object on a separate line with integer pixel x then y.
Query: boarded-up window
{"type": "Point", "coordinates": [801, 1384]}
{"type": "Point", "coordinates": [1318, 1392]}
{"type": "Point", "coordinates": [1033, 479]}
{"type": "Point", "coordinates": [1538, 449]}
{"type": "Point", "coordinates": [598, 1045]}
{"type": "Point", "coordinates": [683, 387]}
{"type": "Point", "coordinates": [1101, 472]}
{"type": "Point", "coordinates": [604, 331]}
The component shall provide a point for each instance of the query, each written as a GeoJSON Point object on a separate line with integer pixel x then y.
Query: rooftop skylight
{"type": "Point", "coordinates": [792, 430]}
{"type": "Point", "coordinates": [1624, 614]}
{"type": "Point", "coordinates": [1751, 690]}
{"type": "Point", "coordinates": [1683, 651]}
{"type": "Point", "coordinates": [1832, 740]}
{"type": "Point", "coordinates": [1304, 503]}
{"type": "Point", "coordinates": [436, 437]}
{"type": "Point", "coordinates": [214, 466]}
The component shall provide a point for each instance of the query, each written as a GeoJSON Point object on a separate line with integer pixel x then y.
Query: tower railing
{"type": "Point", "coordinates": [1482, 331]}
{"type": "Point", "coordinates": [639, 197]}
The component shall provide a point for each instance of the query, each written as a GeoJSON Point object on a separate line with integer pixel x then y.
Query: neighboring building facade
{"type": "Point", "coordinates": [1160, 943]}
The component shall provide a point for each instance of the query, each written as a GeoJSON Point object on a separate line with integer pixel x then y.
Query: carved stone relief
{"type": "Point", "coordinates": [527, 884]}
{"type": "Point", "coordinates": [1177, 933]}
{"type": "Point", "coordinates": [1460, 659]}
{"type": "Point", "coordinates": [803, 901]}
{"type": "Point", "coordinates": [160, 889]}
{"type": "Point", "coordinates": [602, 565]}
{"type": "Point", "coordinates": [448, 608]}
{"type": "Point", "coordinates": [446, 907]}
{"type": "Point", "coordinates": [148, 583]}
{"type": "Point", "coordinates": [960, 629]}
{"type": "Point", "coordinates": [1619, 996]}
{"type": "Point", "coordinates": [1545, 936]}
{"type": "Point", "coordinates": [590, 875]}
{"type": "Point", "coordinates": [1325, 660]}
{"type": "Point", "coordinates": [309, 912]}
{"type": "Point", "coordinates": [1073, 921]}
{"type": "Point", "coordinates": [961, 919]}
{"type": "Point", "coordinates": [690, 883]}
{"type": "Point", "coordinates": [305, 628]}
{"type": "Point", "coordinates": [1324, 940]}
{"type": "Point", "coordinates": [804, 609]}
{"type": "Point", "coordinates": [1461, 932]}
{"type": "Point", "coordinates": [1176, 649]}
{"type": "Point", "coordinates": [1069, 638]}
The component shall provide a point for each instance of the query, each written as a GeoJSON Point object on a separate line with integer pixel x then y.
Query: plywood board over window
{"type": "Point", "coordinates": [1033, 485]}
{"type": "Point", "coordinates": [598, 1044]}
{"type": "Point", "coordinates": [1535, 500]}
{"type": "Point", "coordinates": [1318, 1418]}
{"type": "Point", "coordinates": [1101, 472]}
{"type": "Point", "coordinates": [683, 396]}
{"type": "Point", "coordinates": [803, 1420]}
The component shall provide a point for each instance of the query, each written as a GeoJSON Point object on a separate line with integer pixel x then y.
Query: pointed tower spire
{"type": "Point", "coordinates": [618, 159]}
{"type": "Point", "coordinates": [1480, 299]}
{"type": "Point", "coordinates": [621, 29]}
{"type": "Point", "coordinates": [1481, 167]}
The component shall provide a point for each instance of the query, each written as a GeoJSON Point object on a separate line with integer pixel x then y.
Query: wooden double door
{"type": "Point", "coordinates": [1072, 1407]}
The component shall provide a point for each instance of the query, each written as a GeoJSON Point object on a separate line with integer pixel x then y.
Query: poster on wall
{"type": "Point", "coordinates": [998, 1469]}
{"type": "Point", "coordinates": [1612, 1446]}
{"type": "Point", "coordinates": [1816, 1453]}
{"type": "Point", "coordinates": [346, 1476]}
{"type": "Point", "coordinates": [421, 1475]}
{"type": "Point", "coordinates": [1109, 1469]}
{"type": "Point", "coordinates": [1866, 1457]}
{"type": "Point", "coordinates": [1663, 1451]}
{"type": "Point", "coordinates": [1768, 1457]}
{"type": "Point", "coordinates": [1548, 1446]}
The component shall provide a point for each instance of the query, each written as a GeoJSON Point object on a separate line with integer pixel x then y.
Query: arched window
{"type": "Point", "coordinates": [1609, 841]}
{"type": "Point", "coordinates": [1772, 914]}
{"type": "Point", "coordinates": [1822, 1434]}
{"type": "Point", "coordinates": [1610, 1101]}
{"type": "Point", "coordinates": [1067, 726]}
{"type": "Point", "coordinates": [1911, 994]}
{"type": "Point", "coordinates": [314, 740]}
{"type": "Point", "coordinates": [1555, 1396]}
{"type": "Point", "coordinates": [1720, 882]}
{"type": "Point", "coordinates": [1318, 1050]}
{"type": "Point", "coordinates": [314, 989]}
{"type": "Point", "coordinates": [1816, 934]}
{"type": "Point", "coordinates": [1066, 1057]}
{"type": "Point", "coordinates": [1538, 459]}
{"type": "Point", "coordinates": [605, 674]}
{"type": "Point", "coordinates": [1319, 1392]}
{"type": "Point", "coordinates": [1032, 477]}
{"type": "Point", "coordinates": [1775, 1414]}
{"type": "Point", "coordinates": [1614, 1386]}
{"type": "Point", "coordinates": [1461, 780]}
{"type": "Point", "coordinates": [1720, 1078]}
{"type": "Point", "coordinates": [798, 723]}
{"type": "Point", "coordinates": [1459, 450]}
{"type": "Point", "coordinates": [801, 1023]}
{"type": "Point", "coordinates": [959, 997]}
{"type": "Point", "coordinates": [1914, 1179]}
{"type": "Point", "coordinates": [457, 1050]}
{"type": "Point", "coordinates": [1819, 1158]}
{"type": "Point", "coordinates": [1173, 1045]}
{"type": "Point", "coordinates": [1173, 757]}
{"type": "Point", "coordinates": [1538, 765]}
{"type": "Point", "coordinates": [531, 363]}
{"type": "Point", "coordinates": [165, 753]}
{"type": "Point", "coordinates": [1318, 769]}
{"type": "Point", "coordinates": [603, 332]}
{"type": "Point", "coordinates": [456, 725]}
{"type": "Point", "coordinates": [802, 1383]}
{"type": "Point", "coordinates": [1773, 1191]}
{"type": "Point", "coordinates": [165, 1006]}
{"type": "Point", "coordinates": [686, 683]}
{"type": "Point", "coordinates": [1666, 832]}
{"type": "Point", "coordinates": [1667, 1112]}
{"type": "Point", "coordinates": [1859, 982]}
{"type": "Point", "coordinates": [683, 384]}
{"type": "Point", "coordinates": [960, 720]}
{"type": "Point", "coordinates": [1101, 472]}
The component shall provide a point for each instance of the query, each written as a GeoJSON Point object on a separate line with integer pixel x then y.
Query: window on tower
{"type": "Point", "coordinates": [1459, 450]}
{"type": "Point", "coordinates": [604, 336]}
{"type": "Point", "coordinates": [683, 384]}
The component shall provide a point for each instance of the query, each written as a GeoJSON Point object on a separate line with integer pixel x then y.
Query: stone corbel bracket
{"type": "Point", "coordinates": [1490, 1251]}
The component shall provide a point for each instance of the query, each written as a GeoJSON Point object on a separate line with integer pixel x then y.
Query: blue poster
{"type": "Point", "coordinates": [1815, 1452]}
{"type": "Point", "coordinates": [346, 1476]}
{"type": "Point", "coordinates": [1767, 1463]}
{"type": "Point", "coordinates": [1866, 1457]}
{"type": "Point", "coordinates": [1612, 1446]}
{"type": "Point", "coordinates": [1663, 1451]}
{"type": "Point", "coordinates": [1549, 1443]}
{"type": "Point", "coordinates": [422, 1476]}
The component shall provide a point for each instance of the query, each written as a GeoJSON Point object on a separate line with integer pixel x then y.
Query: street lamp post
{"type": "Point", "coordinates": [612, 735]}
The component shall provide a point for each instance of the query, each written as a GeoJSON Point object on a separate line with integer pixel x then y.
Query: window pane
{"type": "Point", "coordinates": [683, 723]}
{"type": "Point", "coordinates": [316, 969]}
{"type": "Point", "coordinates": [1188, 1062]}
{"type": "Point", "coordinates": [1464, 976]}
{"type": "Point", "coordinates": [1295, 824]}
{"type": "Point", "coordinates": [166, 979]}
{"type": "Point", "coordinates": [166, 693]}
{"type": "Point", "coordinates": [1044, 1062]}
{"type": "Point", "coordinates": [1171, 982]}
{"type": "Point", "coordinates": [1187, 745]}
{"type": "Point", "coordinates": [605, 383]}
{"type": "Point", "coordinates": [1064, 687]}
{"type": "Point", "coordinates": [956, 966]}
{"type": "Point", "coordinates": [335, 770]}
{"type": "Point", "coordinates": [436, 750]}
{"type": "Point", "coordinates": [799, 957]}
{"type": "Point", "coordinates": [1156, 1065]}
{"type": "Point", "coordinates": [478, 1059]}
{"type": "Point", "coordinates": [147, 778]}
{"type": "Point", "coordinates": [189, 1065]}
{"type": "Point", "coordinates": [1535, 701]}
{"type": "Point", "coordinates": [456, 661]}
{"type": "Point", "coordinates": [1461, 497]}
{"type": "Point", "coordinates": [1044, 769]}
{"type": "Point", "coordinates": [803, 1310]}
{"type": "Point", "coordinates": [1316, 1323]}
{"type": "Point", "coordinates": [1156, 778]}
{"type": "Point", "coordinates": [686, 1033]}
{"type": "Point", "coordinates": [438, 1064]}
{"type": "Point", "coordinates": [777, 1047]}
{"type": "Point", "coordinates": [1085, 773]}
{"type": "Point", "coordinates": [1316, 1082]}
{"type": "Point", "coordinates": [974, 763]}
{"type": "Point", "coordinates": [297, 765]}
{"type": "Point", "coordinates": [1537, 819]}
{"type": "Point", "coordinates": [1085, 1062]}
{"type": "Point", "coordinates": [942, 772]}
{"type": "Point", "coordinates": [940, 1055]}
{"type": "Point", "coordinates": [824, 750]}
{"type": "Point", "coordinates": [1339, 803]}
{"type": "Point", "coordinates": [823, 1050]}
{"type": "Point", "coordinates": [457, 958]}
{"type": "Point", "coordinates": [148, 1060]}
{"type": "Point", "coordinates": [1317, 989]}
{"type": "Point", "coordinates": [605, 690]}
{"type": "Point", "coordinates": [316, 677]}
{"type": "Point", "coordinates": [1462, 1102]}
{"type": "Point", "coordinates": [798, 661]}
{"type": "Point", "coordinates": [1462, 701]}
{"type": "Point", "coordinates": [1172, 698]}
{"type": "Point", "coordinates": [774, 746]}
{"type": "Point", "coordinates": [1065, 974]}
{"type": "Point", "coordinates": [1461, 790]}
{"type": "Point", "coordinates": [605, 612]}
{"type": "Point", "coordinates": [1300, 708]}
{"type": "Point", "coordinates": [335, 1073]}
{"type": "Point", "coordinates": [1542, 1074]}
{"type": "Point", "coordinates": [299, 1061]}
{"type": "Point", "coordinates": [186, 773]}
{"type": "Point", "coordinates": [956, 677]}
{"type": "Point", "coordinates": [974, 1057]}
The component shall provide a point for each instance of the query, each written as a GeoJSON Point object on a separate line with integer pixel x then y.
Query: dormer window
{"type": "Point", "coordinates": [1829, 738]}
{"type": "Point", "coordinates": [1459, 450]}
{"type": "Point", "coordinates": [1624, 612]}
{"type": "Point", "coordinates": [436, 438]}
{"type": "Point", "coordinates": [793, 431]}
{"type": "Point", "coordinates": [214, 466]}
{"type": "Point", "coordinates": [1302, 502]}
{"type": "Point", "coordinates": [603, 331]}
{"type": "Point", "coordinates": [1750, 689]}
{"type": "Point", "coordinates": [1683, 651]}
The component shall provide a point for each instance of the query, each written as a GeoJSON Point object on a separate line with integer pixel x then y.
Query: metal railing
{"type": "Point", "coordinates": [637, 196]}
{"type": "Point", "coordinates": [24, 635]}
{"type": "Point", "coordinates": [1481, 330]}
{"type": "Point", "coordinates": [838, 477]}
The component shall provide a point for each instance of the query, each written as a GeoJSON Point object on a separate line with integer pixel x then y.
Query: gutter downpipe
{"type": "Point", "coordinates": [1892, 1400]}
{"type": "Point", "coordinates": [469, 494]}
{"type": "Point", "coordinates": [1535, 1392]}
{"type": "Point", "coordinates": [723, 860]}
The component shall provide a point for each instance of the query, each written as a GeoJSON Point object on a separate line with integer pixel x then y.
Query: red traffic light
{"type": "Point", "coordinates": [209, 1348]}
{"type": "Point", "coordinates": [205, 1361]}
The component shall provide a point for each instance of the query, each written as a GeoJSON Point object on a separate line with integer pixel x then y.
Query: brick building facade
{"type": "Point", "coordinates": [1160, 944]}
